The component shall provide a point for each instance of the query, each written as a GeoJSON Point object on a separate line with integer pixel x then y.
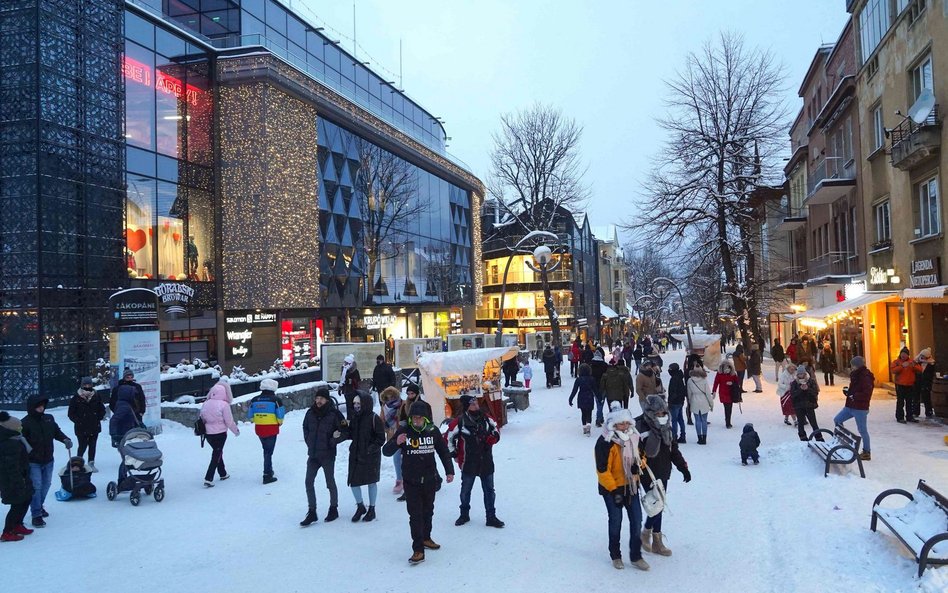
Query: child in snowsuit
{"type": "Point", "coordinates": [749, 443]}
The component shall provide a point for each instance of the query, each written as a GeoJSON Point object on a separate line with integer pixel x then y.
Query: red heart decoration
{"type": "Point", "coordinates": [176, 237]}
{"type": "Point", "coordinates": [135, 240]}
{"type": "Point", "coordinates": [151, 232]}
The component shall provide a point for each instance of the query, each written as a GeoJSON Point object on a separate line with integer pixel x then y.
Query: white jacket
{"type": "Point", "coordinates": [784, 382]}
{"type": "Point", "coordinates": [700, 397]}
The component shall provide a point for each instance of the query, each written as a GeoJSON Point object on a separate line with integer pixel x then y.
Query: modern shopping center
{"type": "Point", "coordinates": [235, 159]}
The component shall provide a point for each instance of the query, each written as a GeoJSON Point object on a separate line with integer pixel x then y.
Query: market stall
{"type": "Point", "coordinates": [446, 376]}
{"type": "Point", "coordinates": [707, 346]}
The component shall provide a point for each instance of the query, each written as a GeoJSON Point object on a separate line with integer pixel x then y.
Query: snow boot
{"type": "Point", "coordinates": [39, 522]}
{"type": "Point", "coordinates": [681, 439]}
{"type": "Point", "coordinates": [617, 563]}
{"type": "Point", "coordinates": [332, 515]}
{"type": "Point", "coordinates": [865, 456]}
{"type": "Point", "coordinates": [493, 521]}
{"type": "Point", "coordinates": [9, 536]}
{"type": "Point", "coordinates": [225, 477]}
{"type": "Point", "coordinates": [269, 479]}
{"type": "Point", "coordinates": [743, 462]}
{"type": "Point", "coordinates": [22, 529]}
{"type": "Point", "coordinates": [647, 540]}
{"type": "Point", "coordinates": [208, 484]}
{"type": "Point", "coordinates": [598, 423]}
{"type": "Point", "coordinates": [397, 489]}
{"type": "Point", "coordinates": [587, 430]}
{"type": "Point", "coordinates": [369, 515]}
{"type": "Point", "coordinates": [417, 558]}
{"type": "Point", "coordinates": [95, 470]}
{"type": "Point", "coordinates": [360, 511]}
{"type": "Point", "coordinates": [657, 546]}
{"type": "Point", "coordinates": [431, 545]}
{"type": "Point", "coordinates": [310, 518]}
{"type": "Point", "coordinates": [464, 518]}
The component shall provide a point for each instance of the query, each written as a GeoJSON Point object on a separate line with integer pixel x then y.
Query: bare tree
{"type": "Point", "coordinates": [726, 125]}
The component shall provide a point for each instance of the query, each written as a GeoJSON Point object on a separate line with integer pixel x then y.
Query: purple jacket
{"type": "Point", "coordinates": [216, 411]}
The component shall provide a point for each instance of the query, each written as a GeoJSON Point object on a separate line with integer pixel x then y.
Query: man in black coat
{"type": "Point", "coordinates": [419, 442]}
{"type": "Point", "coordinates": [16, 488]}
{"type": "Point", "coordinates": [471, 438]}
{"type": "Point", "coordinates": [383, 376]}
{"type": "Point", "coordinates": [39, 430]}
{"type": "Point", "coordinates": [510, 369]}
{"type": "Point", "coordinates": [129, 391]}
{"type": "Point", "coordinates": [87, 411]}
{"type": "Point", "coordinates": [322, 431]}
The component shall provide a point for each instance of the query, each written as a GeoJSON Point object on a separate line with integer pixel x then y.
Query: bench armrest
{"type": "Point", "coordinates": [816, 432]}
{"type": "Point", "coordinates": [886, 493]}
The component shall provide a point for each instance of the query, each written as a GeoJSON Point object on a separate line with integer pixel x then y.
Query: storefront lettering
{"type": "Point", "coordinates": [926, 272]}
{"type": "Point", "coordinates": [878, 276]}
{"type": "Point", "coordinates": [259, 318]}
{"type": "Point", "coordinates": [137, 72]}
{"type": "Point", "coordinates": [240, 336]}
{"type": "Point", "coordinates": [379, 321]}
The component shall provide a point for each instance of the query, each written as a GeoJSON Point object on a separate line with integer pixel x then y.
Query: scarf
{"type": "Point", "coordinates": [629, 441]}
{"type": "Point", "coordinates": [85, 395]}
{"type": "Point", "coordinates": [657, 434]}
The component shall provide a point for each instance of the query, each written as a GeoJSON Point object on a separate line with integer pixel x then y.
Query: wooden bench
{"type": "Point", "coordinates": [842, 448]}
{"type": "Point", "coordinates": [923, 534]}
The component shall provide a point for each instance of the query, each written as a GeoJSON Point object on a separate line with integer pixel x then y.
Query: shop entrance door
{"type": "Point", "coordinates": [895, 321]}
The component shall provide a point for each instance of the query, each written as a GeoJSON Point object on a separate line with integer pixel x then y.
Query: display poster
{"type": "Point", "coordinates": [465, 342]}
{"type": "Point", "coordinates": [141, 352]}
{"type": "Point", "coordinates": [454, 386]}
{"type": "Point", "coordinates": [537, 341]}
{"type": "Point", "coordinates": [134, 309]}
{"type": "Point", "coordinates": [407, 351]}
{"type": "Point", "coordinates": [332, 356]}
{"type": "Point", "coordinates": [508, 340]}
{"type": "Point", "coordinates": [238, 336]}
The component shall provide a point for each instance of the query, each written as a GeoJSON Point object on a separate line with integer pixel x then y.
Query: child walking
{"type": "Point", "coordinates": [749, 443]}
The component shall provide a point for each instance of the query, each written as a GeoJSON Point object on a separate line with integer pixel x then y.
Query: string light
{"type": "Point", "coordinates": [477, 200]}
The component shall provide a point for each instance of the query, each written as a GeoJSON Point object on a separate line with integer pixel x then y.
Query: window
{"type": "Point", "coordinates": [929, 216]}
{"type": "Point", "coordinates": [874, 21]}
{"type": "Point", "coordinates": [900, 6]}
{"type": "Point", "coordinates": [851, 247]}
{"type": "Point", "coordinates": [878, 128]}
{"type": "Point", "coordinates": [921, 76]}
{"type": "Point", "coordinates": [883, 225]}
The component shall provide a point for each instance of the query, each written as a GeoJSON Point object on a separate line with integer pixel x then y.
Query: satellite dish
{"type": "Point", "coordinates": [923, 106]}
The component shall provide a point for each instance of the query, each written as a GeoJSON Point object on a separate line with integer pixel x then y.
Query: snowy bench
{"type": "Point", "coordinates": [841, 448]}
{"type": "Point", "coordinates": [921, 525]}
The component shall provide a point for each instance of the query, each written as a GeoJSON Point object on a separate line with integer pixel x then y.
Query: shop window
{"type": "Point", "coordinates": [138, 70]}
{"type": "Point", "coordinates": [929, 211]}
{"type": "Point", "coordinates": [140, 227]}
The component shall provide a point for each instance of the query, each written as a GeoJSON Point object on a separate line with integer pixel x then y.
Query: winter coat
{"type": "Point", "coordinates": [776, 353]}
{"type": "Point", "coordinates": [527, 371]}
{"type": "Point", "coordinates": [352, 383]}
{"type": "Point", "coordinates": [784, 381]}
{"type": "Point", "coordinates": [661, 463]}
{"type": "Point", "coordinates": [266, 411]}
{"type": "Point", "coordinates": [587, 355]}
{"type": "Point", "coordinates": [655, 359]}
{"type": "Point", "coordinates": [861, 384]}
{"type": "Point", "coordinates": [616, 385]}
{"type": "Point", "coordinates": [86, 414]}
{"type": "Point", "coordinates": [904, 374]}
{"type": "Point", "coordinates": [383, 376]}
{"type": "Point", "coordinates": [637, 353]}
{"type": "Point", "coordinates": [750, 440]}
{"type": "Point", "coordinates": [793, 354]}
{"type": "Point", "coordinates": [610, 467]}
{"type": "Point", "coordinates": [754, 363]}
{"type": "Point", "coordinates": [599, 368]}
{"type": "Point", "coordinates": [471, 442]}
{"type": "Point", "coordinates": [15, 484]}
{"type": "Point", "coordinates": [131, 392]}
{"type": "Point", "coordinates": [827, 360]}
{"type": "Point", "coordinates": [740, 362]}
{"type": "Point", "coordinates": [574, 353]}
{"type": "Point", "coordinates": [40, 430]}
{"type": "Point", "coordinates": [216, 411]}
{"type": "Point", "coordinates": [123, 420]}
{"type": "Point", "coordinates": [511, 367]}
{"type": "Point", "coordinates": [646, 385]}
{"type": "Point", "coordinates": [418, 453]}
{"type": "Point", "coordinates": [365, 450]}
{"type": "Point", "coordinates": [724, 386]}
{"type": "Point", "coordinates": [549, 361]}
{"type": "Point", "coordinates": [700, 397]}
{"type": "Point", "coordinates": [805, 398]}
{"type": "Point", "coordinates": [319, 425]}
{"type": "Point", "coordinates": [677, 391]}
{"type": "Point", "coordinates": [585, 387]}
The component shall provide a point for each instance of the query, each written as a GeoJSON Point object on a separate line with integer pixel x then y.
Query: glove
{"type": "Point", "coordinates": [68, 443]}
{"type": "Point", "coordinates": [687, 475]}
{"type": "Point", "coordinates": [618, 498]}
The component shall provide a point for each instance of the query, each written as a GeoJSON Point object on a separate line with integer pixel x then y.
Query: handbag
{"type": "Point", "coordinates": [654, 499]}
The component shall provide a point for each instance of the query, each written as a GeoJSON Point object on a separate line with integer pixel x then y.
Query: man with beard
{"type": "Point", "coordinates": [471, 438]}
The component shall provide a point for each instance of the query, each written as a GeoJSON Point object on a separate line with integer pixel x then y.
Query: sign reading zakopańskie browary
{"type": "Point", "coordinates": [134, 309]}
{"type": "Point", "coordinates": [926, 273]}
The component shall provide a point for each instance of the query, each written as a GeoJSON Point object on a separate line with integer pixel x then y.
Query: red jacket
{"type": "Point", "coordinates": [792, 353]}
{"type": "Point", "coordinates": [902, 374]}
{"type": "Point", "coordinates": [723, 384]}
{"type": "Point", "coordinates": [861, 383]}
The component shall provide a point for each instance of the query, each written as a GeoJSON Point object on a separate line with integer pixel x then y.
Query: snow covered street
{"type": "Point", "coordinates": [780, 526]}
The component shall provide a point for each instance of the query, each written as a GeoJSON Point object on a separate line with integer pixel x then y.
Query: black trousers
{"type": "Point", "coordinates": [924, 397]}
{"type": "Point", "coordinates": [828, 378]}
{"type": "Point", "coordinates": [87, 441]}
{"type": "Point", "coordinates": [808, 414]}
{"type": "Point", "coordinates": [905, 398]}
{"type": "Point", "coordinates": [587, 415]}
{"type": "Point", "coordinates": [573, 367]}
{"type": "Point", "coordinates": [420, 501]}
{"type": "Point", "coordinates": [216, 441]}
{"type": "Point", "coordinates": [728, 408]}
{"type": "Point", "coordinates": [15, 515]}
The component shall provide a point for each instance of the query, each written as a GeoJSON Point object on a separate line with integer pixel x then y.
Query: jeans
{"type": "Point", "coordinates": [15, 515]}
{"type": "Point", "coordinates": [904, 401]}
{"type": "Point", "coordinates": [638, 363]}
{"type": "Point", "coordinates": [328, 464]}
{"type": "Point", "coordinates": [677, 419]}
{"type": "Point", "coordinates": [808, 414]}
{"type": "Point", "coordinates": [757, 385]}
{"type": "Point", "coordinates": [728, 408]}
{"type": "Point", "coordinates": [397, 461]}
{"type": "Point", "coordinates": [87, 441]}
{"type": "Point", "coordinates": [634, 511]}
{"type": "Point", "coordinates": [600, 402]}
{"type": "Point", "coordinates": [655, 523]}
{"type": "Point", "coordinates": [216, 441]}
{"type": "Point", "coordinates": [740, 379]}
{"type": "Point", "coordinates": [41, 474]}
{"type": "Point", "coordinates": [701, 424]}
{"type": "Point", "coordinates": [373, 493]}
{"type": "Point", "coordinates": [420, 499]}
{"type": "Point", "coordinates": [487, 485]}
{"type": "Point", "coordinates": [862, 418]}
{"type": "Point", "coordinates": [268, 444]}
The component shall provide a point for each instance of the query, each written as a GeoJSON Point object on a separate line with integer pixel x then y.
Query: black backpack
{"type": "Point", "coordinates": [200, 429]}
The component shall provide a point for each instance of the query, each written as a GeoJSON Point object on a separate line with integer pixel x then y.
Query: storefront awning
{"type": "Point", "coordinates": [934, 293]}
{"type": "Point", "coordinates": [607, 312]}
{"type": "Point", "coordinates": [866, 298]}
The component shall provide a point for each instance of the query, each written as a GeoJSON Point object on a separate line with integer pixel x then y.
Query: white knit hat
{"type": "Point", "coordinates": [269, 385]}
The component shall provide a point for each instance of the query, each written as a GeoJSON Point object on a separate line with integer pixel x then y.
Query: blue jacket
{"type": "Point", "coordinates": [266, 411]}
{"type": "Point", "coordinates": [585, 386]}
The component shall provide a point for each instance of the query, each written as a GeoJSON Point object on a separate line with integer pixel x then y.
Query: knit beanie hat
{"type": "Point", "coordinates": [10, 422]}
{"type": "Point", "coordinates": [466, 401]}
{"type": "Point", "coordinates": [269, 385]}
{"type": "Point", "coordinates": [857, 362]}
{"type": "Point", "coordinates": [412, 388]}
{"type": "Point", "coordinates": [86, 381]}
{"type": "Point", "coordinates": [418, 409]}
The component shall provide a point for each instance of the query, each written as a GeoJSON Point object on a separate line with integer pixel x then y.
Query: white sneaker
{"type": "Point", "coordinates": [94, 468]}
{"type": "Point", "coordinates": [208, 484]}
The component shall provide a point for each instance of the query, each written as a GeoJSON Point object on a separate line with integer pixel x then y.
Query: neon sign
{"type": "Point", "coordinates": [137, 72]}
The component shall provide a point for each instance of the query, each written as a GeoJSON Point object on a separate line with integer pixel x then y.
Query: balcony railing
{"type": "Point", "coordinates": [520, 276]}
{"type": "Point", "coordinates": [834, 263]}
{"type": "Point", "coordinates": [914, 142]}
{"type": "Point", "coordinates": [792, 277]}
{"type": "Point", "coordinates": [830, 181]}
{"type": "Point", "coordinates": [515, 313]}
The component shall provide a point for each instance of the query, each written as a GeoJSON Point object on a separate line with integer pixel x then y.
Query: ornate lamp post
{"type": "Point", "coordinates": [657, 285]}
{"type": "Point", "coordinates": [538, 239]}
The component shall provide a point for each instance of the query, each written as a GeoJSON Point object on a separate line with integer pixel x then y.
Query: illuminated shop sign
{"type": "Point", "coordinates": [251, 318]}
{"type": "Point", "coordinates": [926, 272]}
{"type": "Point", "coordinates": [137, 72]}
{"type": "Point", "coordinates": [175, 297]}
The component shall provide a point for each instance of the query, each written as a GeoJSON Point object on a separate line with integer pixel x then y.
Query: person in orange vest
{"type": "Point", "coordinates": [903, 373]}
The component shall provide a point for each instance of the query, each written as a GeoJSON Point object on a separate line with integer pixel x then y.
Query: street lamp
{"type": "Point", "coordinates": [543, 254]}
{"type": "Point", "coordinates": [661, 280]}
{"type": "Point", "coordinates": [540, 251]}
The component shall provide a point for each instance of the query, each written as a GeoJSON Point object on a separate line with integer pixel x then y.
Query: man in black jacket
{"type": "Point", "coordinates": [419, 442]}
{"type": "Point", "coordinates": [471, 438]}
{"type": "Point", "coordinates": [322, 431]}
{"type": "Point", "coordinates": [39, 430]}
{"type": "Point", "coordinates": [383, 376]}
{"type": "Point", "coordinates": [130, 391]}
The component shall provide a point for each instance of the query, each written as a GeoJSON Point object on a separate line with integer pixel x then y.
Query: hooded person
{"type": "Point", "coordinates": [40, 430]}
{"type": "Point", "coordinates": [16, 487]}
{"type": "Point", "coordinates": [129, 391]}
{"type": "Point", "coordinates": [266, 412]}
{"type": "Point", "coordinates": [367, 435]}
{"type": "Point", "coordinates": [218, 419]}
{"type": "Point", "coordinates": [617, 468]}
{"type": "Point", "coordinates": [86, 411]}
{"type": "Point", "coordinates": [648, 382]}
{"type": "Point", "coordinates": [754, 366]}
{"type": "Point", "coordinates": [677, 395]}
{"type": "Point", "coordinates": [750, 441]}
{"type": "Point", "coordinates": [585, 388]}
{"type": "Point", "coordinates": [323, 428]}
{"type": "Point", "coordinates": [471, 438]}
{"type": "Point", "coordinates": [726, 386]}
{"type": "Point", "coordinates": [660, 451]}
{"type": "Point", "coordinates": [550, 366]}
{"type": "Point", "coordinates": [701, 401]}
{"type": "Point", "coordinates": [383, 376]}
{"type": "Point", "coordinates": [804, 393]}
{"type": "Point", "coordinates": [598, 367]}
{"type": "Point", "coordinates": [349, 382]}
{"type": "Point", "coordinates": [858, 395]}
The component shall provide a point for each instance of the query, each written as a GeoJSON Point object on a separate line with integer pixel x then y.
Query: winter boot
{"type": "Point", "coordinates": [332, 515]}
{"type": "Point", "coordinates": [587, 429]}
{"type": "Point", "coordinates": [417, 558]}
{"type": "Point", "coordinates": [310, 518]}
{"type": "Point", "coordinates": [269, 479]}
{"type": "Point", "coordinates": [598, 423]}
{"type": "Point", "coordinates": [431, 544]}
{"type": "Point", "coordinates": [464, 518]}
{"type": "Point", "coordinates": [647, 540]}
{"type": "Point", "coordinates": [658, 547]}
{"type": "Point", "coordinates": [398, 487]}
{"type": "Point", "coordinates": [95, 470]}
{"type": "Point", "coordinates": [9, 536]}
{"type": "Point", "coordinates": [39, 522]}
{"type": "Point", "coordinates": [641, 564]}
{"type": "Point", "coordinates": [681, 439]}
{"type": "Point", "coordinates": [865, 456]}
{"type": "Point", "coordinates": [369, 515]}
{"type": "Point", "coordinates": [493, 521]}
{"type": "Point", "coordinates": [45, 514]}
{"type": "Point", "coordinates": [22, 529]}
{"type": "Point", "coordinates": [360, 510]}
{"type": "Point", "coordinates": [617, 563]}
{"type": "Point", "coordinates": [208, 484]}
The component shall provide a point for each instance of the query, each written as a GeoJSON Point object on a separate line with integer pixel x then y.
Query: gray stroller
{"type": "Point", "coordinates": [140, 468]}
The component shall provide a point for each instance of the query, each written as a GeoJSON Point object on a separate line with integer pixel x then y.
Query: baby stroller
{"type": "Point", "coordinates": [140, 468]}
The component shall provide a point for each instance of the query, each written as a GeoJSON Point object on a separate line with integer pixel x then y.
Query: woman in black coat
{"type": "Point", "coordinates": [87, 411]}
{"type": "Point", "coordinates": [549, 366]}
{"type": "Point", "coordinates": [365, 454]}
{"type": "Point", "coordinates": [585, 388]}
{"type": "Point", "coordinates": [16, 488]}
{"type": "Point", "coordinates": [804, 393]}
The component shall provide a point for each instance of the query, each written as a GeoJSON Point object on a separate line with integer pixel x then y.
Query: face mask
{"type": "Point", "coordinates": [663, 420]}
{"type": "Point", "coordinates": [623, 435]}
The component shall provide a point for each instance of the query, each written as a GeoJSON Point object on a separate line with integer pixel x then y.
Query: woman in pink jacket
{"type": "Point", "coordinates": [217, 419]}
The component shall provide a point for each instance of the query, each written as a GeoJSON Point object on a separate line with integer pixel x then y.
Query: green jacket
{"type": "Point", "coordinates": [616, 385]}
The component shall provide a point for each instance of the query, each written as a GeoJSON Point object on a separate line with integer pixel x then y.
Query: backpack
{"type": "Point", "coordinates": [200, 429]}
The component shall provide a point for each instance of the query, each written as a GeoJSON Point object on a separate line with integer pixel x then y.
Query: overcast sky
{"type": "Point", "coordinates": [601, 62]}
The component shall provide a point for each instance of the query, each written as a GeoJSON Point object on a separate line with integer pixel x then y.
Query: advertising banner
{"type": "Point", "coordinates": [140, 351]}
{"type": "Point", "coordinates": [465, 342]}
{"type": "Point", "coordinates": [332, 355]}
{"type": "Point", "coordinates": [238, 339]}
{"type": "Point", "coordinates": [407, 351]}
{"type": "Point", "coordinates": [134, 309]}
